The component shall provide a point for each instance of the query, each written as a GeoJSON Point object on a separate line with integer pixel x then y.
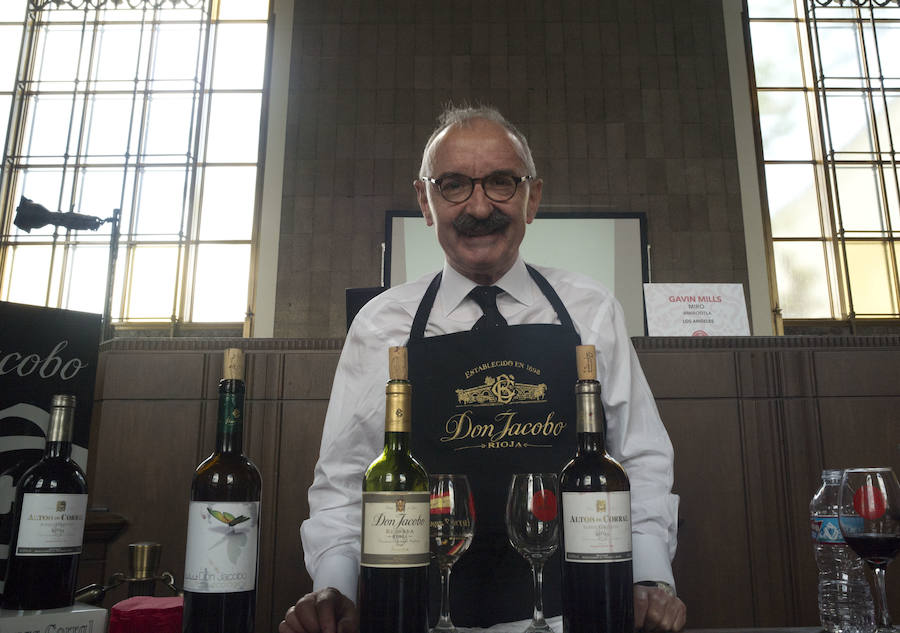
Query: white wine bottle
{"type": "Point", "coordinates": [223, 522]}
{"type": "Point", "coordinates": [48, 521]}
{"type": "Point", "coordinates": [595, 516]}
{"type": "Point", "coordinates": [393, 578]}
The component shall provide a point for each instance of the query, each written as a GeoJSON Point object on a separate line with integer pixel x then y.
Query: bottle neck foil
{"type": "Point", "coordinates": [397, 408]}
{"type": "Point", "coordinates": [62, 420]}
{"type": "Point", "coordinates": [230, 427]}
{"type": "Point", "coordinates": [589, 408]}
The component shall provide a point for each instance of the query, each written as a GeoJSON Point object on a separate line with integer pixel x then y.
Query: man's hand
{"type": "Point", "coordinates": [323, 611]}
{"type": "Point", "coordinates": [655, 610]}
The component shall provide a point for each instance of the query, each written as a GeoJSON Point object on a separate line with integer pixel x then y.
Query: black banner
{"type": "Point", "coordinates": [43, 351]}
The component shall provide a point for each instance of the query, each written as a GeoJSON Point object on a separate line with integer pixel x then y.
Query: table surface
{"type": "Point", "coordinates": [556, 624]}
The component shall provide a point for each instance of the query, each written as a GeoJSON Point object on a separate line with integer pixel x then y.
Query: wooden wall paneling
{"type": "Point", "coordinates": [264, 376]}
{"type": "Point", "coordinates": [91, 564]}
{"type": "Point", "coordinates": [300, 438]}
{"type": "Point", "coordinates": [759, 373]}
{"type": "Point", "coordinates": [689, 374]}
{"type": "Point", "coordinates": [263, 429]}
{"type": "Point", "coordinates": [803, 470]}
{"type": "Point", "coordinates": [309, 374]}
{"type": "Point", "coordinates": [147, 452]}
{"type": "Point", "coordinates": [863, 372]}
{"type": "Point", "coordinates": [206, 434]}
{"type": "Point", "coordinates": [777, 384]}
{"type": "Point", "coordinates": [100, 529]}
{"type": "Point", "coordinates": [858, 432]}
{"type": "Point", "coordinates": [798, 373]}
{"type": "Point", "coordinates": [762, 439]}
{"type": "Point", "coordinates": [713, 557]}
{"type": "Point", "coordinates": [96, 422]}
{"type": "Point", "coordinates": [774, 373]}
{"type": "Point", "coordinates": [153, 375]}
{"type": "Point", "coordinates": [214, 369]}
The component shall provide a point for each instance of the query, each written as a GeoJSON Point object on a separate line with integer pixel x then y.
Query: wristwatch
{"type": "Point", "coordinates": [659, 584]}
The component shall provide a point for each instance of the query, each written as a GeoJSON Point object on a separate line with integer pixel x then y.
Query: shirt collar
{"type": "Point", "coordinates": [455, 287]}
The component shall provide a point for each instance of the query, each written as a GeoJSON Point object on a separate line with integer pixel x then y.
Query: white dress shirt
{"type": "Point", "coordinates": [353, 435]}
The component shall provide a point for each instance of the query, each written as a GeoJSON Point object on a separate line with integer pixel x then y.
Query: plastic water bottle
{"type": "Point", "coordinates": [845, 602]}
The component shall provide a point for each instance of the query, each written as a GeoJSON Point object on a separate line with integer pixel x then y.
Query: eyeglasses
{"type": "Point", "coordinates": [497, 186]}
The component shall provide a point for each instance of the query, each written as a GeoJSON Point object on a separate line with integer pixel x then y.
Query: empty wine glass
{"type": "Point", "coordinates": [869, 516]}
{"type": "Point", "coordinates": [452, 530]}
{"type": "Point", "coordinates": [533, 529]}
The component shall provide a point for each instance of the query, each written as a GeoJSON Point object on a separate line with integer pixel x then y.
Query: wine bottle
{"type": "Point", "coordinates": [393, 578]}
{"type": "Point", "coordinates": [223, 522]}
{"type": "Point", "coordinates": [595, 516]}
{"type": "Point", "coordinates": [48, 521]}
{"type": "Point", "coordinates": [9, 479]}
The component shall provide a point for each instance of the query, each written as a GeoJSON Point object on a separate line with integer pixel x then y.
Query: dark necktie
{"type": "Point", "coordinates": [486, 297]}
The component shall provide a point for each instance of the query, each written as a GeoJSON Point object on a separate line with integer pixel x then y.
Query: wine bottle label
{"type": "Point", "coordinates": [395, 529]}
{"type": "Point", "coordinates": [597, 526]}
{"type": "Point", "coordinates": [51, 524]}
{"type": "Point", "coordinates": [221, 546]}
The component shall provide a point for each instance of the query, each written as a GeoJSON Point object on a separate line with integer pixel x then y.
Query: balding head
{"type": "Point", "coordinates": [463, 116]}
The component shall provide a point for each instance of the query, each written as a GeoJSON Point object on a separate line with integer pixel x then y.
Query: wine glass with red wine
{"type": "Point", "coordinates": [869, 516]}
{"type": "Point", "coordinates": [533, 529]}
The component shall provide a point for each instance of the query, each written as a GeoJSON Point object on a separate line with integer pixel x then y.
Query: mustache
{"type": "Point", "coordinates": [470, 226]}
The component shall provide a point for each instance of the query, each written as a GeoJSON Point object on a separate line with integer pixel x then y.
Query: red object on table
{"type": "Point", "coordinates": [146, 614]}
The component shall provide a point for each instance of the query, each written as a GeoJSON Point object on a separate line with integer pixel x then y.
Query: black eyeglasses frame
{"type": "Point", "coordinates": [473, 181]}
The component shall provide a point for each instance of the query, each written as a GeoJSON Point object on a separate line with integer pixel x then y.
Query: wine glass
{"type": "Point", "coordinates": [869, 516]}
{"type": "Point", "coordinates": [533, 529]}
{"type": "Point", "coordinates": [452, 530]}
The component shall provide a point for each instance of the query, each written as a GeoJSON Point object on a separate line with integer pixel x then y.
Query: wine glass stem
{"type": "Point", "coordinates": [537, 570]}
{"type": "Point", "coordinates": [881, 608]}
{"type": "Point", "coordinates": [444, 621]}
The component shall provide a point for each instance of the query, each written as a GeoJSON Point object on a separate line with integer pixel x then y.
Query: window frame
{"type": "Point", "coordinates": [264, 225]}
{"type": "Point", "coordinates": [833, 237]}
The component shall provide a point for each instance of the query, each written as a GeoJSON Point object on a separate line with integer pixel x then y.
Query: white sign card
{"type": "Point", "coordinates": [696, 310]}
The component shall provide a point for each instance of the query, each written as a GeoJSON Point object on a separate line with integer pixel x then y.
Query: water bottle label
{"type": "Point", "coordinates": [221, 546]}
{"type": "Point", "coordinates": [51, 524]}
{"type": "Point", "coordinates": [827, 530]}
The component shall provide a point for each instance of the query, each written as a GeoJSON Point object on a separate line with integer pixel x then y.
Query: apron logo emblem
{"type": "Point", "coordinates": [501, 390]}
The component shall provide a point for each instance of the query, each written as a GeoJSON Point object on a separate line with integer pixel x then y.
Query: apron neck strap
{"type": "Point", "coordinates": [561, 313]}
{"type": "Point", "coordinates": [417, 332]}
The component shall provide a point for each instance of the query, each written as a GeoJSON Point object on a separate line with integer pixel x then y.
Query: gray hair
{"type": "Point", "coordinates": [464, 115]}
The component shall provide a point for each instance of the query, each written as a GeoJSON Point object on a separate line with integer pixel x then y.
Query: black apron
{"type": "Point", "coordinates": [489, 404]}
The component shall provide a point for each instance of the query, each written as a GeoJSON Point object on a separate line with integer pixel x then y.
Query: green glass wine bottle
{"type": "Point", "coordinates": [393, 579]}
{"type": "Point", "coordinates": [223, 522]}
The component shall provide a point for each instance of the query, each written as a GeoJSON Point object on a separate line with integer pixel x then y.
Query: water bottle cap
{"type": "Point", "coordinates": [831, 475]}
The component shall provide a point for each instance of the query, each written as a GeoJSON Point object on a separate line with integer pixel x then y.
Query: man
{"type": "Point", "coordinates": [479, 188]}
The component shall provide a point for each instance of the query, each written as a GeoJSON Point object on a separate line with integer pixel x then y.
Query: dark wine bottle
{"type": "Point", "coordinates": [223, 522]}
{"type": "Point", "coordinates": [48, 521]}
{"type": "Point", "coordinates": [9, 479]}
{"type": "Point", "coordinates": [393, 578]}
{"type": "Point", "coordinates": [595, 516]}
